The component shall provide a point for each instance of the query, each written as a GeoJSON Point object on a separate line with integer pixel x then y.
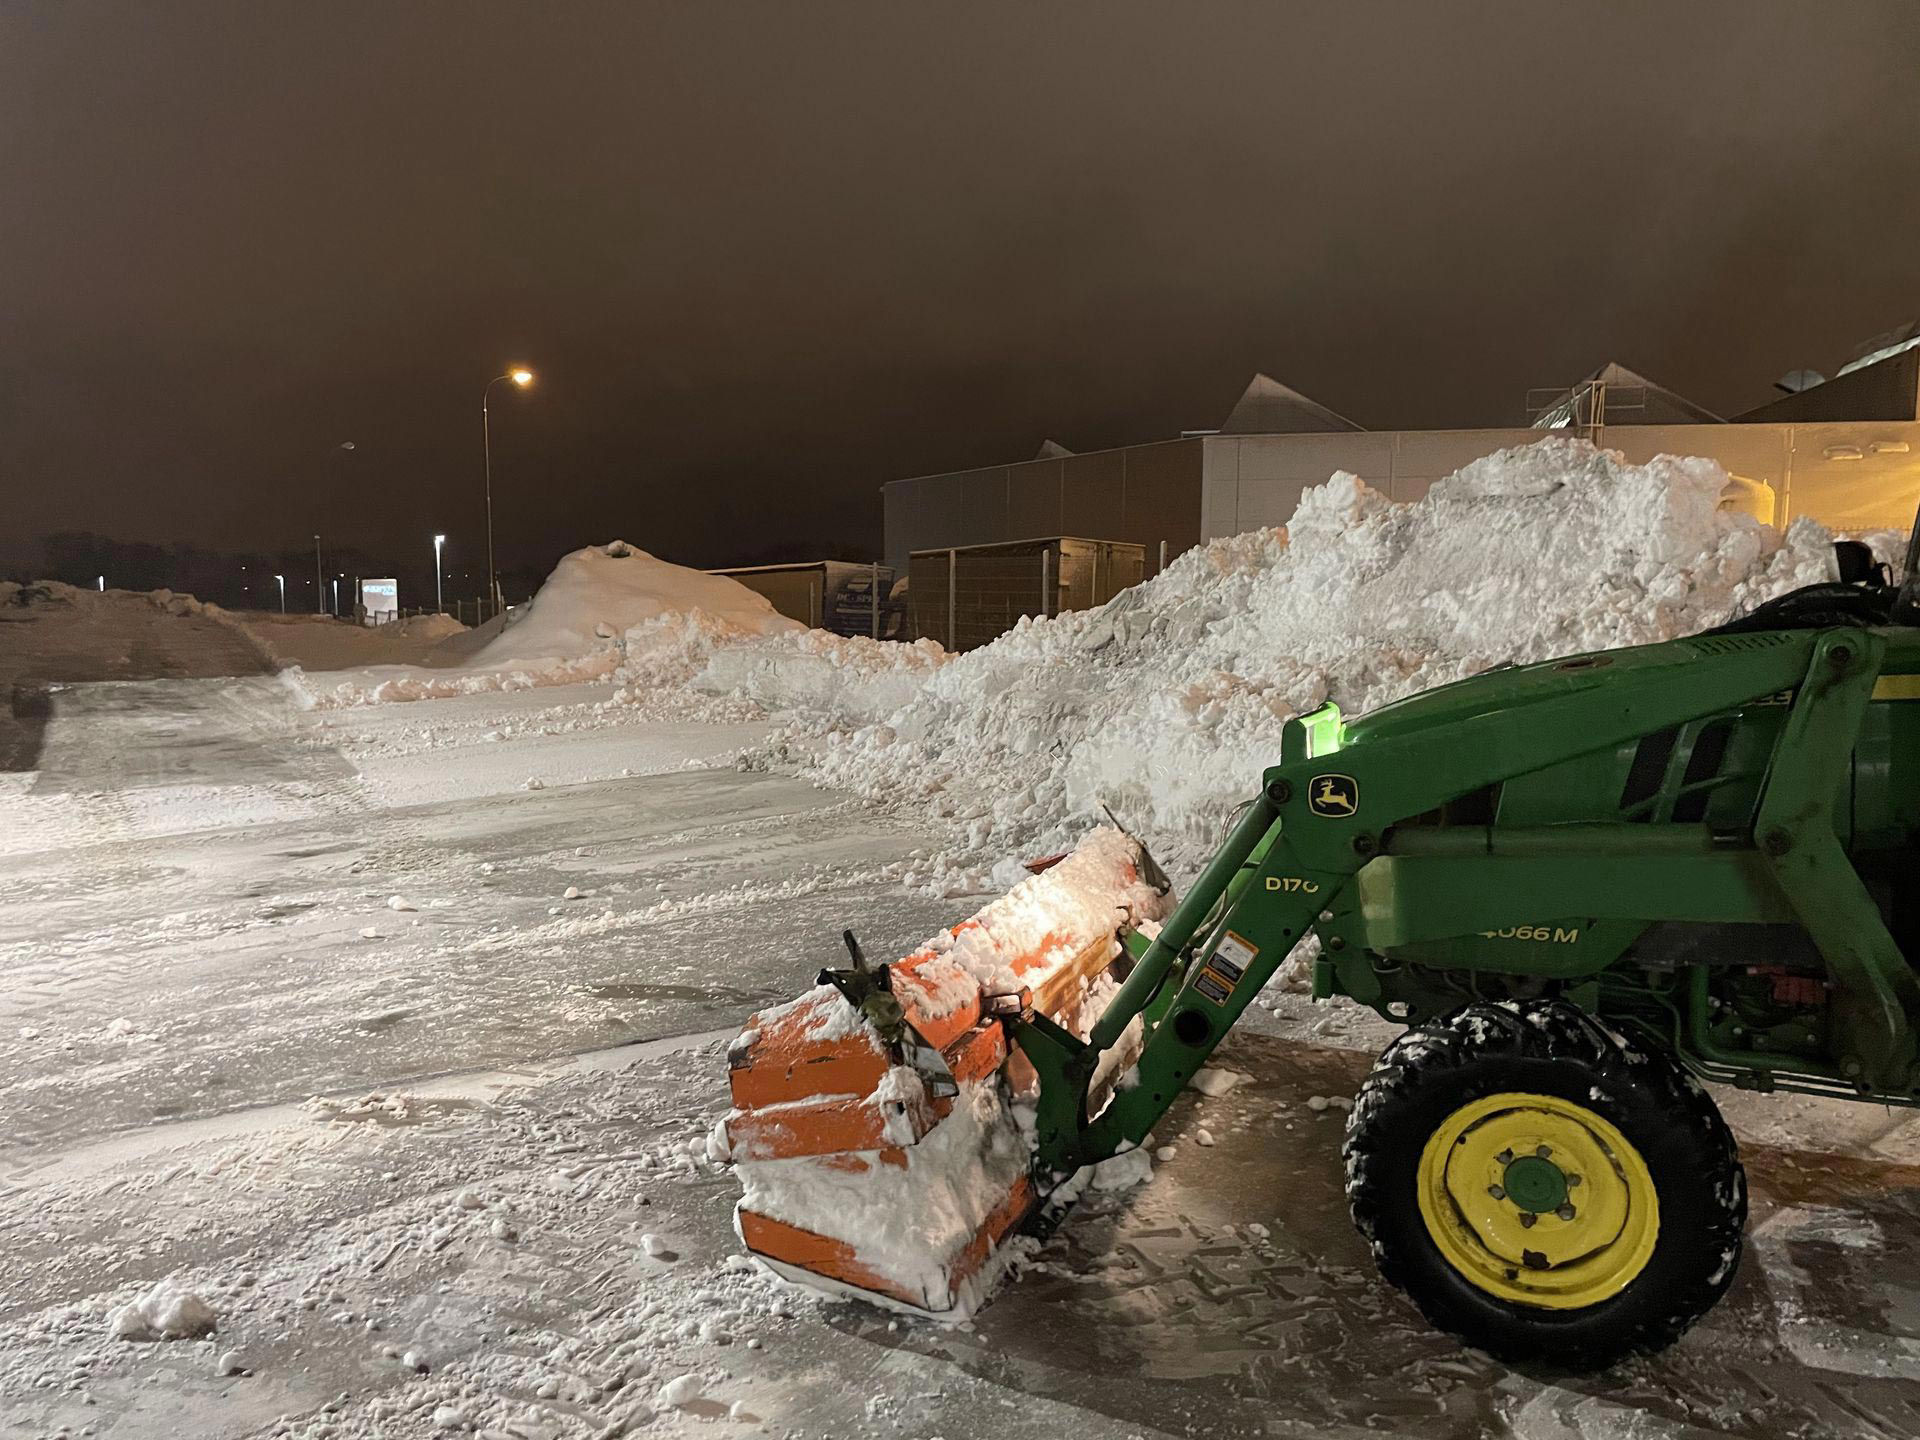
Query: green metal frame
{"type": "Point", "coordinates": [1326, 846]}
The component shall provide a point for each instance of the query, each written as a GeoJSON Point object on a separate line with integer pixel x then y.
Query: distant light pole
{"type": "Point", "coordinates": [319, 585]}
{"type": "Point", "coordinates": [103, 584]}
{"type": "Point", "coordinates": [283, 593]}
{"type": "Point", "coordinates": [522, 377]}
{"type": "Point", "coordinates": [438, 603]}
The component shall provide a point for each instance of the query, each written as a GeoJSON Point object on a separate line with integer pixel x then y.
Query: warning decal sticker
{"type": "Point", "coordinates": [1224, 968]}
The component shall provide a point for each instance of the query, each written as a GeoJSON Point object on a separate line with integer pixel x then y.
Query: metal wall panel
{"type": "Point", "coordinates": [1163, 498]}
{"type": "Point", "coordinates": [1856, 476]}
{"type": "Point", "coordinates": [1033, 500]}
{"type": "Point", "coordinates": [1144, 494]}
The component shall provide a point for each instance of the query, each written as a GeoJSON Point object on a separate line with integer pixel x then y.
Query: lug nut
{"type": "Point", "coordinates": [1572, 1180]}
{"type": "Point", "coordinates": [1543, 1151]}
{"type": "Point", "coordinates": [1505, 1157]}
{"type": "Point", "coordinates": [1496, 1192]}
{"type": "Point", "coordinates": [1527, 1217]}
{"type": "Point", "coordinates": [1565, 1212]}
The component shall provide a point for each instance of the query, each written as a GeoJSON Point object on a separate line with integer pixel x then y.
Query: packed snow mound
{"type": "Point", "coordinates": [425, 627]}
{"type": "Point", "coordinates": [1167, 703]}
{"type": "Point", "coordinates": [850, 676]}
{"type": "Point", "coordinates": [606, 613]}
{"type": "Point", "coordinates": [594, 596]}
{"type": "Point", "coordinates": [51, 632]}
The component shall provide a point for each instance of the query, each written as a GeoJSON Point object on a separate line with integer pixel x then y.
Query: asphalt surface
{"type": "Point", "coordinates": [187, 882]}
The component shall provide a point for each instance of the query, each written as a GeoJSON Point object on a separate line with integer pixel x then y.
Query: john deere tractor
{"type": "Point", "coordinates": [1583, 885]}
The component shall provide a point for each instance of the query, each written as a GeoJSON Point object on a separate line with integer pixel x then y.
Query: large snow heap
{"type": "Point", "coordinates": [607, 613]}
{"type": "Point", "coordinates": [1166, 703]}
{"type": "Point", "coordinates": [594, 596]}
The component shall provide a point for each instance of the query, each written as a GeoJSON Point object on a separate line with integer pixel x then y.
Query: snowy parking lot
{"type": "Point", "coordinates": [363, 1032]}
{"type": "Point", "coordinates": [221, 906]}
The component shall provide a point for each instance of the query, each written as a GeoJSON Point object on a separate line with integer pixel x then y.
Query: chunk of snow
{"type": "Point", "coordinates": [1213, 1082]}
{"type": "Point", "coordinates": [681, 1391]}
{"type": "Point", "coordinates": [1123, 1171]}
{"type": "Point", "coordinates": [399, 902]}
{"type": "Point", "coordinates": [166, 1312]}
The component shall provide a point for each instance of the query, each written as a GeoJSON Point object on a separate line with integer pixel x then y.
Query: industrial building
{"type": "Point", "coordinates": [1845, 451]}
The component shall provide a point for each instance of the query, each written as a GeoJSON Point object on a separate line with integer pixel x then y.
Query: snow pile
{"type": "Point", "coordinates": [321, 642]}
{"type": "Point", "coordinates": [166, 1312]}
{"type": "Point", "coordinates": [56, 595]}
{"type": "Point", "coordinates": [851, 677]}
{"type": "Point", "coordinates": [1167, 702]}
{"type": "Point", "coordinates": [596, 595]}
{"type": "Point", "coordinates": [424, 627]}
{"type": "Point", "coordinates": [1043, 922]}
{"type": "Point", "coordinates": [607, 612]}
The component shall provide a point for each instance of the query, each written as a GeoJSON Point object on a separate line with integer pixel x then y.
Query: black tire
{"type": "Point", "coordinates": [1548, 1048]}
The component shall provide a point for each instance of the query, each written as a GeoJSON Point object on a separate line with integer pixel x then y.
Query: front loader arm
{"type": "Point", "coordinates": [1317, 821]}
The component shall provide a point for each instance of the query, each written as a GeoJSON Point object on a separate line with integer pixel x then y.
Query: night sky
{"type": "Point", "coordinates": [765, 257]}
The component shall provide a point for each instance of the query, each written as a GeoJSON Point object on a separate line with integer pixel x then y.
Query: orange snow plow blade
{"type": "Point", "coordinates": [877, 1143]}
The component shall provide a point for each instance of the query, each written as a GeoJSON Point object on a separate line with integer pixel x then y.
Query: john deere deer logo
{"type": "Point", "coordinates": [1334, 796]}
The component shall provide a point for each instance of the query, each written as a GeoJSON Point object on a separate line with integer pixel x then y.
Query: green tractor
{"type": "Point", "coordinates": [1583, 885]}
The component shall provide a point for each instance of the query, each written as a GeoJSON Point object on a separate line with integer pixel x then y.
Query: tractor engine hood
{"type": "Point", "coordinates": [1517, 686]}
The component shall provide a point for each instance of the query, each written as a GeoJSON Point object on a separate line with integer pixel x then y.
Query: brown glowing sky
{"type": "Point", "coordinates": [765, 257]}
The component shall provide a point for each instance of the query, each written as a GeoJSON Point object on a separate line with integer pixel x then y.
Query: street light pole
{"type": "Point", "coordinates": [283, 593]}
{"type": "Point", "coordinates": [438, 603]}
{"type": "Point", "coordinates": [319, 585]}
{"type": "Point", "coordinates": [522, 377]}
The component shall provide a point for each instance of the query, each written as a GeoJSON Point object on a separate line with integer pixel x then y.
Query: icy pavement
{"type": "Point", "coordinates": [212, 899]}
{"type": "Point", "coordinates": [552, 1249]}
{"type": "Point", "coordinates": [287, 1006]}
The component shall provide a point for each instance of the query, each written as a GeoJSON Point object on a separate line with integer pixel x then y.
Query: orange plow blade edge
{"type": "Point", "coordinates": [882, 1147]}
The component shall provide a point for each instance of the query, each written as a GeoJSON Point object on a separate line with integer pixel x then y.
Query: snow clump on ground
{"type": "Point", "coordinates": [166, 1312]}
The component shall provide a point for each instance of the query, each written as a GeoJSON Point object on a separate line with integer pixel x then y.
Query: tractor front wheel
{"type": "Point", "coordinates": [1542, 1188]}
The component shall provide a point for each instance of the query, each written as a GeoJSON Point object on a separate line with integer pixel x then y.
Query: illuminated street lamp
{"type": "Point", "coordinates": [438, 604]}
{"type": "Point", "coordinates": [283, 593]}
{"type": "Point", "coordinates": [522, 377]}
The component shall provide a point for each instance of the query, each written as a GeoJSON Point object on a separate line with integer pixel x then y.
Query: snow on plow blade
{"type": "Point", "coordinates": [881, 1149]}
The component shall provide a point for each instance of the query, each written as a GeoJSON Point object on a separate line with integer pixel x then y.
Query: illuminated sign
{"type": "Point", "coordinates": [381, 599]}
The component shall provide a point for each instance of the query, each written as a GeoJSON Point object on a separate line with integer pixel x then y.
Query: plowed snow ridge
{"type": "Point", "coordinates": [1167, 703]}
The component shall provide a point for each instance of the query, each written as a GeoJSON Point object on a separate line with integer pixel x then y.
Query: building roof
{"type": "Point", "coordinates": [1884, 347]}
{"type": "Point", "coordinates": [1615, 395]}
{"type": "Point", "coordinates": [1267, 407]}
{"type": "Point", "coordinates": [1052, 450]}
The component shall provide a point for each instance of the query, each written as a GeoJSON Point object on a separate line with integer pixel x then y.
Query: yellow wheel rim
{"type": "Point", "coordinates": [1538, 1201]}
